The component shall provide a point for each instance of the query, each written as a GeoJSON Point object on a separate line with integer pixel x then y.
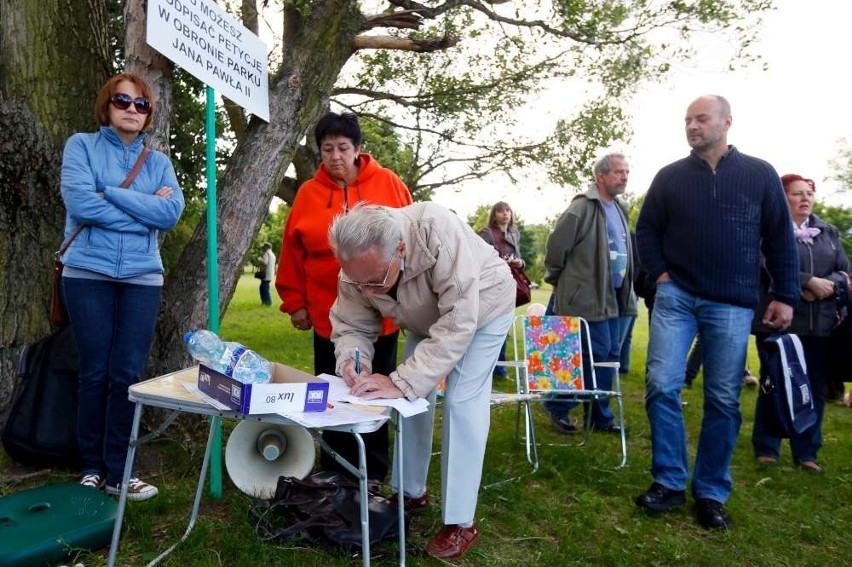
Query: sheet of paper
{"type": "Point", "coordinates": [340, 414]}
{"type": "Point", "coordinates": [339, 391]}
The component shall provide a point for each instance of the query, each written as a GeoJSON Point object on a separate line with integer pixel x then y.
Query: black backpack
{"type": "Point", "coordinates": [785, 390]}
{"type": "Point", "coordinates": [41, 425]}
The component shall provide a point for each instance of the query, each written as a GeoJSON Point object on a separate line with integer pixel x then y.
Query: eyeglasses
{"type": "Point", "coordinates": [375, 285]}
{"type": "Point", "coordinates": [123, 101]}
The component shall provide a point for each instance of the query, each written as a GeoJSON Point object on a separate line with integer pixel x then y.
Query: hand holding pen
{"type": "Point", "coordinates": [353, 368]}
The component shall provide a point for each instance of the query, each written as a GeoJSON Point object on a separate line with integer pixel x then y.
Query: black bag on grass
{"type": "Point", "coordinates": [325, 508]}
{"type": "Point", "coordinates": [785, 390]}
{"type": "Point", "coordinates": [41, 426]}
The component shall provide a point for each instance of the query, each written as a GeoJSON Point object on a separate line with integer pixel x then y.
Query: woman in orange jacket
{"type": "Point", "coordinates": [306, 279]}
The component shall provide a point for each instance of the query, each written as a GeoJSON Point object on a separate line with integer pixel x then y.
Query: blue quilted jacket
{"type": "Point", "coordinates": [120, 238]}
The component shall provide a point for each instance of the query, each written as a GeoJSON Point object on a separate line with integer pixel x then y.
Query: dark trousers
{"type": "Point", "coordinates": [376, 443]}
{"type": "Point", "coordinates": [265, 297]}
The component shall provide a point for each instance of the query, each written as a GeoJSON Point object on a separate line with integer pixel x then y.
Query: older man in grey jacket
{"type": "Point", "coordinates": [455, 298]}
{"type": "Point", "coordinates": [589, 262]}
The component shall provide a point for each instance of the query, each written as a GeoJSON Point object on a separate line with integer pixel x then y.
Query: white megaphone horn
{"type": "Point", "coordinates": [258, 453]}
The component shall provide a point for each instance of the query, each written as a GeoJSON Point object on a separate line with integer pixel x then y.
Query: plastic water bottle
{"type": "Point", "coordinates": [230, 358]}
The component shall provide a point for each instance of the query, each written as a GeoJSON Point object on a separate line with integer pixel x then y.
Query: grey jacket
{"type": "Point", "coordinates": [578, 265]}
{"type": "Point", "coordinates": [453, 284]}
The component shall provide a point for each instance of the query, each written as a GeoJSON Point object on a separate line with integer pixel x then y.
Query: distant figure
{"type": "Point", "coordinates": [823, 268]}
{"type": "Point", "coordinates": [455, 298]}
{"type": "Point", "coordinates": [503, 235]}
{"type": "Point", "coordinates": [113, 275]}
{"type": "Point", "coordinates": [702, 227]}
{"type": "Point", "coordinates": [267, 260]}
{"type": "Point", "coordinates": [589, 263]}
{"type": "Point", "coordinates": [307, 273]}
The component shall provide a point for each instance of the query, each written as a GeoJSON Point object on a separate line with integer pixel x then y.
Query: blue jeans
{"type": "Point", "coordinates": [113, 326]}
{"type": "Point", "coordinates": [265, 297]}
{"type": "Point", "coordinates": [677, 317]}
{"type": "Point", "coordinates": [805, 445]}
{"type": "Point", "coordinates": [605, 337]}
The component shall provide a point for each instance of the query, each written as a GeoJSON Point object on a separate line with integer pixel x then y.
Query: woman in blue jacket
{"type": "Point", "coordinates": [113, 273]}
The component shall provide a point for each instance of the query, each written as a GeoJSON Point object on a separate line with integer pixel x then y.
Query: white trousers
{"type": "Point", "coordinates": [464, 427]}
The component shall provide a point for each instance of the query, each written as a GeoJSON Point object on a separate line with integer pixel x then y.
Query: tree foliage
{"type": "Point", "coordinates": [446, 78]}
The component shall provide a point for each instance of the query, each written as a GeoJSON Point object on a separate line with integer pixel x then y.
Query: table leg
{"type": "Point", "coordinates": [122, 499]}
{"type": "Point", "coordinates": [401, 498]}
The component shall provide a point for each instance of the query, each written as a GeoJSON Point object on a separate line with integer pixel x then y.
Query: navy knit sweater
{"type": "Point", "coordinates": [707, 229]}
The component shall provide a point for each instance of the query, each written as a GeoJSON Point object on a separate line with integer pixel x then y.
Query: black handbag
{"type": "Point", "coordinates": [324, 508]}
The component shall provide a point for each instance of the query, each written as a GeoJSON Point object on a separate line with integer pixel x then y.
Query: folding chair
{"type": "Point", "coordinates": [548, 365]}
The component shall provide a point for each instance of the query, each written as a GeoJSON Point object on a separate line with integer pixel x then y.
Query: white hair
{"type": "Point", "coordinates": [363, 228]}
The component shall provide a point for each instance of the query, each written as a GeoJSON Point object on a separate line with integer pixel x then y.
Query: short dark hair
{"type": "Point", "coordinates": [111, 87]}
{"type": "Point", "coordinates": [344, 124]}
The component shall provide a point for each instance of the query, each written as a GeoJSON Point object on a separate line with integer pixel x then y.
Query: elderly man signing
{"type": "Point", "coordinates": [424, 267]}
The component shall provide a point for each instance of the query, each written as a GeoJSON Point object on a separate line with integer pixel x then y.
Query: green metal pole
{"type": "Point", "coordinates": [213, 283]}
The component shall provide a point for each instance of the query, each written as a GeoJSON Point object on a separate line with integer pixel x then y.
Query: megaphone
{"type": "Point", "coordinates": [258, 453]}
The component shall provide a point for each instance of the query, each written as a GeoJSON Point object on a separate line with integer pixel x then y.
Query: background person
{"type": "Point", "coordinates": [822, 263]}
{"type": "Point", "coordinates": [589, 262]}
{"type": "Point", "coordinates": [455, 298]}
{"type": "Point", "coordinates": [503, 235]}
{"type": "Point", "coordinates": [113, 273]}
{"type": "Point", "coordinates": [267, 261]}
{"type": "Point", "coordinates": [703, 225]}
{"type": "Point", "coordinates": [306, 279]}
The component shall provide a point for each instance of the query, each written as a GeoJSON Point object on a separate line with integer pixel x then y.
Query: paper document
{"type": "Point", "coordinates": [338, 391]}
{"type": "Point", "coordinates": [340, 414]}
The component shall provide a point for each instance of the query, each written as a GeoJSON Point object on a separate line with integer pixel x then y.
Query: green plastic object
{"type": "Point", "coordinates": [48, 524]}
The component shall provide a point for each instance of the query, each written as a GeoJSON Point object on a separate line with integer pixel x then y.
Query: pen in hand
{"type": "Point", "coordinates": [357, 361]}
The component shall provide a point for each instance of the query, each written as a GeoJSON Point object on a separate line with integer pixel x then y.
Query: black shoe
{"type": "Point", "coordinates": [711, 514]}
{"type": "Point", "coordinates": [658, 498]}
{"type": "Point", "coordinates": [562, 424]}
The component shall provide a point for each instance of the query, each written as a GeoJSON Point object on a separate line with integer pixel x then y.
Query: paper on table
{"type": "Point", "coordinates": [340, 414]}
{"type": "Point", "coordinates": [339, 391]}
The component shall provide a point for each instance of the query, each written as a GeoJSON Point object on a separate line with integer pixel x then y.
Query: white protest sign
{"type": "Point", "coordinates": [207, 42]}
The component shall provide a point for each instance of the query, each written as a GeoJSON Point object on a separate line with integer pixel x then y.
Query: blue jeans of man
{"type": "Point", "coordinates": [805, 445]}
{"type": "Point", "coordinates": [677, 317]}
{"type": "Point", "coordinates": [113, 325]}
{"type": "Point", "coordinates": [265, 297]}
{"type": "Point", "coordinates": [605, 337]}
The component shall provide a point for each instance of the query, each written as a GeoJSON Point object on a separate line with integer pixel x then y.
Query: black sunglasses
{"type": "Point", "coordinates": [123, 101]}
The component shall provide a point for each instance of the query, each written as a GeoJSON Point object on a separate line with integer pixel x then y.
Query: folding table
{"type": "Point", "coordinates": [169, 392]}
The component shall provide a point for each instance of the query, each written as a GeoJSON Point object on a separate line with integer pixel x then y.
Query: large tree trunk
{"type": "Point", "coordinates": [316, 46]}
{"type": "Point", "coordinates": [49, 79]}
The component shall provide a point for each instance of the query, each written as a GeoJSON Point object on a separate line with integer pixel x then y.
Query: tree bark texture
{"type": "Point", "coordinates": [316, 46]}
{"type": "Point", "coordinates": [53, 60]}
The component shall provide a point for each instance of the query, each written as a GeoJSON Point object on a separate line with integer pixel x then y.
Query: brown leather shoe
{"type": "Point", "coordinates": [411, 505]}
{"type": "Point", "coordinates": [452, 541]}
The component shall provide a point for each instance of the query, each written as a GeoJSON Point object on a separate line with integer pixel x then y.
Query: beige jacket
{"type": "Point", "coordinates": [452, 284]}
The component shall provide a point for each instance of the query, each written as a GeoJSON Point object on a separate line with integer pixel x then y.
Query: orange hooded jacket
{"type": "Point", "coordinates": [307, 268]}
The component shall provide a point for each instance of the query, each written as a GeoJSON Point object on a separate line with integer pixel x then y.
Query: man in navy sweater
{"type": "Point", "coordinates": [703, 225]}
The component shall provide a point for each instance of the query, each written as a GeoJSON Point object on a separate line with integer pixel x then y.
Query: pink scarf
{"type": "Point", "coordinates": [806, 235]}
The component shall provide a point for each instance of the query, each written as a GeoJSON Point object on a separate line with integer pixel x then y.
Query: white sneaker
{"type": "Point", "coordinates": [136, 490]}
{"type": "Point", "coordinates": [92, 481]}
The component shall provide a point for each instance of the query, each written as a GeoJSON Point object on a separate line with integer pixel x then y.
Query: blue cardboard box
{"type": "Point", "coordinates": [289, 390]}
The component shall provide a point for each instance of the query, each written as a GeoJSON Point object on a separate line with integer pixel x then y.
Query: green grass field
{"type": "Point", "coordinates": [576, 510]}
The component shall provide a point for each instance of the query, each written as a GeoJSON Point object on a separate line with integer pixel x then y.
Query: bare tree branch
{"type": "Point", "coordinates": [404, 44]}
